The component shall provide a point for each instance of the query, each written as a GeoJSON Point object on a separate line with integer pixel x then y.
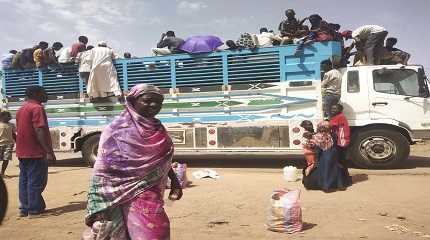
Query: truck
{"type": "Point", "coordinates": [242, 102]}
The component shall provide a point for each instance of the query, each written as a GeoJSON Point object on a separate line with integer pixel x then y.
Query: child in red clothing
{"type": "Point", "coordinates": [309, 146]}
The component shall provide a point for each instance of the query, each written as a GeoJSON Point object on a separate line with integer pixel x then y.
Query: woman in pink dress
{"type": "Point", "coordinates": [125, 199]}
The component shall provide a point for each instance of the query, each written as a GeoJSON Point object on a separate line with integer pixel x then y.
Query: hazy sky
{"type": "Point", "coordinates": [136, 25]}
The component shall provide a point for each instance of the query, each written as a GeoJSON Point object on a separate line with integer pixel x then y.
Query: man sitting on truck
{"type": "Point", "coordinates": [265, 38]}
{"type": "Point", "coordinates": [394, 55]}
{"type": "Point", "coordinates": [291, 28]}
{"type": "Point", "coordinates": [168, 44]}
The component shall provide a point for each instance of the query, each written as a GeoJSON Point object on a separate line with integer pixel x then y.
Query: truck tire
{"type": "Point", "coordinates": [89, 149]}
{"type": "Point", "coordinates": [379, 148]}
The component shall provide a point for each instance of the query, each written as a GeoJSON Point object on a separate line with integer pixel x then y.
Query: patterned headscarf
{"type": "Point", "coordinates": [141, 89]}
{"type": "Point", "coordinates": [323, 138]}
{"type": "Point", "coordinates": [134, 154]}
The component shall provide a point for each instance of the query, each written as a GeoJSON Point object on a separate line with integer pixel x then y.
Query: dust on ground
{"type": "Point", "coordinates": [382, 204]}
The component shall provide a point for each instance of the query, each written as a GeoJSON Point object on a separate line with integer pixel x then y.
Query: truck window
{"type": "Point", "coordinates": [396, 81]}
{"type": "Point", "coordinates": [353, 82]}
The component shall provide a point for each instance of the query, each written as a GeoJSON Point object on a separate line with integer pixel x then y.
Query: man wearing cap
{"type": "Point", "coordinates": [371, 38]}
{"type": "Point", "coordinates": [103, 79]}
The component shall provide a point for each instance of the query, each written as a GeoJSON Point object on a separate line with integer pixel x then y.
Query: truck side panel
{"type": "Point", "coordinates": [249, 98]}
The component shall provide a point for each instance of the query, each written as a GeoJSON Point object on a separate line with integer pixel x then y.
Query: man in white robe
{"type": "Point", "coordinates": [103, 79]}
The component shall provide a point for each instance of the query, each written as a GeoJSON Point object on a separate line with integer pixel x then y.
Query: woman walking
{"type": "Point", "coordinates": [125, 199]}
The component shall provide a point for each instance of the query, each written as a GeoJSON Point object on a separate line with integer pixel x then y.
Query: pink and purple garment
{"type": "Point", "coordinates": [323, 138]}
{"type": "Point", "coordinates": [130, 175]}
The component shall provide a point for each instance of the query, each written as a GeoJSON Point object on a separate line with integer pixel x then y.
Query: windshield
{"type": "Point", "coordinates": [406, 82]}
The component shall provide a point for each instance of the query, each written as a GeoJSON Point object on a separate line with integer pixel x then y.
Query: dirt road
{"type": "Point", "coordinates": [235, 206]}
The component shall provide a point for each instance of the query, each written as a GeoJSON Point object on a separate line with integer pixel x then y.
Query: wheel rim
{"type": "Point", "coordinates": [378, 149]}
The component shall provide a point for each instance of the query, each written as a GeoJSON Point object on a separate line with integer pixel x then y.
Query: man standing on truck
{"type": "Point", "coordinates": [371, 38]}
{"type": "Point", "coordinates": [330, 88]}
{"type": "Point", "coordinates": [103, 78]}
{"type": "Point", "coordinates": [34, 151]}
{"type": "Point", "coordinates": [6, 60]}
{"type": "Point", "coordinates": [49, 55]}
{"type": "Point", "coordinates": [79, 46]}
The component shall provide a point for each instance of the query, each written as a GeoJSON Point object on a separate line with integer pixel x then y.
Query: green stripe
{"type": "Point", "coordinates": [166, 106]}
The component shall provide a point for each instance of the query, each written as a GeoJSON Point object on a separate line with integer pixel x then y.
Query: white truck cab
{"type": "Point", "coordinates": [388, 108]}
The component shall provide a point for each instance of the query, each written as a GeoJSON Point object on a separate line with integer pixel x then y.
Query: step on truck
{"type": "Point", "coordinates": [242, 102]}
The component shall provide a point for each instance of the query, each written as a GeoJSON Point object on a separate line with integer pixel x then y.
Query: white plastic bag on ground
{"type": "Point", "coordinates": [285, 213]}
{"type": "Point", "coordinates": [100, 230]}
{"type": "Point", "coordinates": [206, 173]}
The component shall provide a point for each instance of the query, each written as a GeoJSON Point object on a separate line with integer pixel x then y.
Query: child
{"type": "Point", "coordinates": [340, 128]}
{"type": "Point", "coordinates": [7, 140]}
{"type": "Point", "coordinates": [309, 152]}
{"type": "Point", "coordinates": [309, 146]}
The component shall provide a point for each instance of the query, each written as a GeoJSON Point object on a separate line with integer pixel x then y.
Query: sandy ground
{"type": "Point", "coordinates": [235, 206]}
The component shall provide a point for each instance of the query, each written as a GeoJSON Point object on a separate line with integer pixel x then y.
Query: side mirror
{"type": "Point", "coordinates": [427, 92]}
{"type": "Point", "coordinates": [423, 84]}
{"type": "Point", "coordinates": [426, 87]}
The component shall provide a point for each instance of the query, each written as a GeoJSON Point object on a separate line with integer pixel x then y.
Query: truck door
{"type": "Point", "coordinates": [355, 95]}
{"type": "Point", "coordinates": [400, 94]}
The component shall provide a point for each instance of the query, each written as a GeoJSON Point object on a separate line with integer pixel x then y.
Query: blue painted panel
{"type": "Point", "coordinates": [183, 70]}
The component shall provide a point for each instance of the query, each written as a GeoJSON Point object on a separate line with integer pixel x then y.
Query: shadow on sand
{"type": "Point", "coordinates": [70, 162]}
{"type": "Point", "coordinates": [307, 226]}
{"type": "Point", "coordinates": [416, 162]}
{"type": "Point", "coordinates": [246, 161]}
{"type": "Point", "coordinates": [242, 161]}
{"type": "Point", "coordinates": [273, 161]}
{"type": "Point", "coordinates": [357, 178]}
{"type": "Point", "coordinates": [71, 207]}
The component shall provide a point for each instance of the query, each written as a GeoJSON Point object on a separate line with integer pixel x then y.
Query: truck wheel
{"type": "Point", "coordinates": [89, 149]}
{"type": "Point", "coordinates": [380, 149]}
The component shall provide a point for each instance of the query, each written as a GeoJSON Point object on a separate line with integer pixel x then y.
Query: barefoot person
{"type": "Point", "coordinates": [125, 199]}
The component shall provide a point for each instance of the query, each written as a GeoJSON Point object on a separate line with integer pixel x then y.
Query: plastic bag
{"type": "Point", "coordinates": [100, 230]}
{"type": "Point", "coordinates": [180, 170]}
{"type": "Point", "coordinates": [285, 213]}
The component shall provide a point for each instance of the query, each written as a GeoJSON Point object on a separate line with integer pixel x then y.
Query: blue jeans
{"type": "Point", "coordinates": [328, 101]}
{"type": "Point", "coordinates": [33, 177]}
